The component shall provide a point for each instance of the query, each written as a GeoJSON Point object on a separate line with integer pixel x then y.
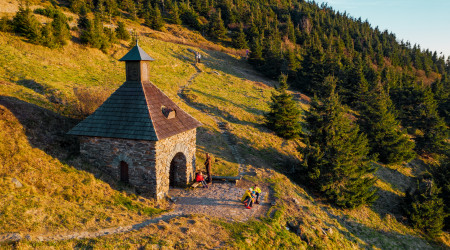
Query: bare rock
{"type": "Point", "coordinates": [17, 183]}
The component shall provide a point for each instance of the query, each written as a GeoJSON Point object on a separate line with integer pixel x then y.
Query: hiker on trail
{"type": "Point", "coordinates": [196, 57]}
{"type": "Point", "coordinates": [248, 198]}
{"type": "Point", "coordinates": [199, 56]}
{"type": "Point", "coordinates": [208, 168]}
{"type": "Point", "coordinates": [246, 53]}
{"type": "Point", "coordinates": [199, 178]}
{"type": "Point", "coordinates": [257, 191]}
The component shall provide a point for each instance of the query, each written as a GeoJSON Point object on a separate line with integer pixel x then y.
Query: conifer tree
{"type": "Point", "coordinates": [26, 24]}
{"type": "Point", "coordinates": [61, 29]}
{"type": "Point", "coordinates": [256, 56]}
{"type": "Point", "coordinates": [83, 20]}
{"type": "Point", "coordinates": [336, 155]}
{"type": "Point", "coordinates": [386, 139]}
{"type": "Point", "coordinates": [284, 115]}
{"type": "Point", "coordinates": [217, 29]}
{"type": "Point", "coordinates": [175, 17]}
{"type": "Point", "coordinates": [121, 31]}
{"type": "Point", "coordinates": [48, 39]}
{"type": "Point", "coordinates": [239, 41]}
{"type": "Point", "coordinates": [441, 175]}
{"type": "Point", "coordinates": [425, 208]}
{"type": "Point", "coordinates": [154, 19]}
{"type": "Point", "coordinates": [157, 20]}
{"type": "Point", "coordinates": [291, 31]}
{"type": "Point", "coordinates": [434, 131]}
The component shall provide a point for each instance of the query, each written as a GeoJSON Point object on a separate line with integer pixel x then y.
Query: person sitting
{"type": "Point", "coordinates": [257, 191]}
{"type": "Point", "coordinates": [248, 198]}
{"type": "Point", "coordinates": [199, 178]}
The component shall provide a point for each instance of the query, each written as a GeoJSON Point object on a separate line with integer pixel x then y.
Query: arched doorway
{"type": "Point", "coordinates": [124, 177]}
{"type": "Point", "coordinates": [177, 175]}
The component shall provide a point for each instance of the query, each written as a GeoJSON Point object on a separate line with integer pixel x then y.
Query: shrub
{"type": "Point", "coordinates": [88, 100]}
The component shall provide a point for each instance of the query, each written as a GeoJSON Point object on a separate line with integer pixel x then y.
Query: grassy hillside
{"type": "Point", "coordinates": [41, 194]}
{"type": "Point", "coordinates": [61, 193]}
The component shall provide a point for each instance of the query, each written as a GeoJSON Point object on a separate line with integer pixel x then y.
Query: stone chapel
{"type": "Point", "coordinates": [140, 136]}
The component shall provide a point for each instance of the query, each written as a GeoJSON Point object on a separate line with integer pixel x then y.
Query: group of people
{"type": "Point", "coordinates": [251, 196]}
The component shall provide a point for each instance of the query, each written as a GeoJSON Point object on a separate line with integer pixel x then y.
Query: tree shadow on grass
{"type": "Point", "coordinates": [47, 131]}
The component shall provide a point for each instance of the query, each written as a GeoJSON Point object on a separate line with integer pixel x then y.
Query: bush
{"type": "Point", "coordinates": [5, 24]}
{"type": "Point", "coordinates": [88, 100]}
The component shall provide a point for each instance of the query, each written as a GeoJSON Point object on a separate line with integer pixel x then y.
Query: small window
{"type": "Point", "coordinates": [169, 113]}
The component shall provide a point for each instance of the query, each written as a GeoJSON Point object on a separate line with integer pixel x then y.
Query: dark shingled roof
{"type": "Point", "coordinates": [134, 111]}
{"type": "Point", "coordinates": [136, 54]}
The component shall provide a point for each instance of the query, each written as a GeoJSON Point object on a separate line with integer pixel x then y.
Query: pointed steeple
{"type": "Point", "coordinates": [136, 65]}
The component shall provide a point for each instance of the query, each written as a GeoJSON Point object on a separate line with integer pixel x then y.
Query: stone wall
{"type": "Point", "coordinates": [107, 153]}
{"type": "Point", "coordinates": [148, 161]}
{"type": "Point", "coordinates": [166, 150]}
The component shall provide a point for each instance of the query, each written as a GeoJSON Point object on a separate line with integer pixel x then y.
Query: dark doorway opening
{"type": "Point", "coordinates": [177, 175]}
{"type": "Point", "coordinates": [124, 172]}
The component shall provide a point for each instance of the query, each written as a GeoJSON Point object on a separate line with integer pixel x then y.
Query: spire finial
{"type": "Point", "coordinates": [136, 37]}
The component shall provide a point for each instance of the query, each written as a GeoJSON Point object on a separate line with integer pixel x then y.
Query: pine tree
{"type": "Point", "coordinates": [48, 39]}
{"type": "Point", "coordinates": [83, 20]}
{"type": "Point", "coordinates": [256, 56]}
{"type": "Point", "coordinates": [291, 31]}
{"type": "Point", "coordinates": [435, 132]}
{"type": "Point", "coordinates": [425, 208]}
{"type": "Point", "coordinates": [336, 155]}
{"type": "Point", "coordinates": [284, 115]}
{"type": "Point", "coordinates": [61, 29]}
{"type": "Point", "coordinates": [217, 29]}
{"type": "Point", "coordinates": [239, 41]}
{"type": "Point", "coordinates": [175, 18]}
{"type": "Point", "coordinates": [26, 24]}
{"type": "Point", "coordinates": [386, 139]}
{"type": "Point", "coordinates": [157, 20]}
{"type": "Point", "coordinates": [121, 32]}
{"type": "Point", "coordinates": [441, 175]}
{"type": "Point", "coordinates": [154, 19]}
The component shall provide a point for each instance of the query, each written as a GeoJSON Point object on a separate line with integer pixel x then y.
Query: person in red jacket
{"type": "Point", "coordinates": [199, 178]}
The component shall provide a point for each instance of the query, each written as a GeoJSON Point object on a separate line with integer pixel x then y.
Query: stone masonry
{"type": "Point", "coordinates": [149, 162]}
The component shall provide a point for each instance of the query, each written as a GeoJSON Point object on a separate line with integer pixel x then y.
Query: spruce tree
{"type": "Point", "coordinates": [239, 40]}
{"type": "Point", "coordinates": [83, 20]}
{"type": "Point", "coordinates": [284, 115]}
{"type": "Point", "coordinates": [336, 155]}
{"type": "Point", "coordinates": [61, 29]}
{"type": "Point", "coordinates": [121, 32]}
{"type": "Point", "coordinates": [48, 39]}
{"type": "Point", "coordinates": [256, 55]}
{"type": "Point", "coordinates": [26, 24]}
{"type": "Point", "coordinates": [434, 130]}
{"type": "Point", "coordinates": [175, 17]}
{"type": "Point", "coordinates": [425, 208]}
{"type": "Point", "coordinates": [386, 139]}
{"type": "Point", "coordinates": [217, 29]}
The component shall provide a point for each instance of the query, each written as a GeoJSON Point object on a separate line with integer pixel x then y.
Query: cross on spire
{"type": "Point", "coordinates": [136, 37]}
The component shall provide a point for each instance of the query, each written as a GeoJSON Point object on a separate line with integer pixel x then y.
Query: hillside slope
{"type": "Point", "coordinates": [59, 194]}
